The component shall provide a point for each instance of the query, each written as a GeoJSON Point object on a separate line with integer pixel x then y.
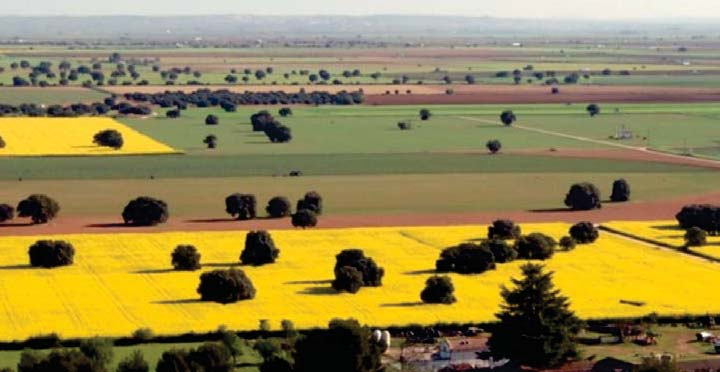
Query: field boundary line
{"type": "Point", "coordinates": [600, 142]}
{"type": "Point", "coordinates": [657, 243]}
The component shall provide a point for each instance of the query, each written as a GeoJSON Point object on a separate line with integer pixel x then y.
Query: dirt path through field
{"type": "Point", "coordinates": [649, 155]}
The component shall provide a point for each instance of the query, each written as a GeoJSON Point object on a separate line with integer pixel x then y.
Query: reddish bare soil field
{"type": "Point", "coordinates": [496, 94]}
{"type": "Point", "coordinates": [658, 210]}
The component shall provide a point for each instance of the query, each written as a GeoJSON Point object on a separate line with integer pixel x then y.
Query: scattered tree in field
{"type": "Point", "coordinates": [185, 257]}
{"type": "Point", "coordinates": [212, 120]}
{"type": "Point", "coordinates": [109, 138]}
{"type": "Point", "coordinates": [584, 232]}
{"type": "Point", "coordinates": [259, 249]}
{"type": "Point", "coordinates": [7, 213]}
{"type": "Point", "coordinates": [425, 114]}
{"type": "Point", "coordinates": [134, 362]}
{"type": "Point", "coordinates": [260, 120]}
{"type": "Point", "coordinates": [225, 286]}
{"type": "Point", "coordinates": [620, 191]}
{"type": "Point", "coordinates": [370, 273]}
{"type": "Point", "coordinates": [241, 206]}
{"type": "Point", "coordinates": [99, 350]}
{"type": "Point", "coordinates": [211, 141]}
{"type": "Point", "coordinates": [583, 196]}
{"type": "Point", "coordinates": [438, 290]}
{"type": "Point", "coordinates": [285, 112]}
{"type": "Point", "coordinates": [507, 117]}
{"type": "Point", "coordinates": [501, 250]}
{"type": "Point", "coordinates": [278, 207]}
{"type": "Point", "coordinates": [470, 79]}
{"type": "Point", "coordinates": [567, 243]}
{"type": "Point", "coordinates": [695, 237]}
{"type": "Point", "coordinates": [345, 345]}
{"type": "Point", "coordinates": [348, 279]}
{"type": "Point", "coordinates": [234, 344]}
{"type": "Point", "coordinates": [704, 216]}
{"type": "Point", "coordinates": [38, 207]}
{"type": "Point", "coordinates": [503, 229]}
{"type": "Point", "coordinates": [493, 146]}
{"type": "Point", "coordinates": [278, 133]}
{"type": "Point", "coordinates": [304, 218]}
{"type": "Point", "coordinates": [466, 258]}
{"type": "Point", "coordinates": [535, 246]}
{"type": "Point", "coordinates": [145, 211]}
{"type": "Point", "coordinates": [51, 253]}
{"type": "Point", "coordinates": [2, 143]}
{"type": "Point", "coordinates": [593, 109]}
{"type": "Point", "coordinates": [404, 125]}
{"type": "Point", "coordinates": [536, 326]}
{"type": "Point", "coordinates": [210, 356]}
{"type": "Point", "coordinates": [312, 201]}
{"type": "Point", "coordinates": [173, 114]}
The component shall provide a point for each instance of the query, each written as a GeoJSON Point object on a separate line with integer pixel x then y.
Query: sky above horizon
{"type": "Point", "coordinates": [594, 9]}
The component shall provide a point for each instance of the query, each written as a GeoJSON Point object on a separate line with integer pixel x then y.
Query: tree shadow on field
{"type": "Point", "coordinates": [326, 281]}
{"type": "Point", "coordinates": [16, 267]}
{"type": "Point", "coordinates": [222, 264]}
{"type": "Point", "coordinates": [110, 225]}
{"type": "Point", "coordinates": [212, 220]}
{"type": "Point", "coordinates": [421, 272]}
{"type": "Point", "coordinates": [553, 210]}
{"type": "Point", "coordinates": [179, 302]}
{"type": "Point", "coordinates": [21, 224]}
{"type": "Point", "coordinates": [319, 291]}
{"type": "Point", "coordinates": [403, 304]}
{"type": "Point", "coordinates": [154, 271]}
{"type": "Point", "coordinates": [668, 227]}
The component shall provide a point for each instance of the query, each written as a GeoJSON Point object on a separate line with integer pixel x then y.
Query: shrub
{"type": "Point", "coordinates": [425, 114]}
{"type": "Point", "coordinates": [501, 250]}
{"type": "Point", "coordinates": [109, 138]}
{"type": "Point", "coordinates": [259, 249]}
{"type": "Point", "coordinates": [508, 117]}
{"type": "Point", "coordinates": [212, 120]}
{"type": "Point", "coordinates": [285, 111]}
{"type": "Point", "coordinates": [438, 290]}
{"type": "Point", "coordinates": [241, 206]}
{"type": "Point", "coordinates": [225, 286]}
{"type": "Point", "coordinates": [304, 218]}
{"type": "Point", "coordinates": [567, 243]}
{"type": "Point", "coordinates": [404, 125]}
{"type": "Point", "coordinates": [173, 114]}
{"type": "Point", "coordinates": [503, 229]}
{"type": "Point", "coordinates": [583, 196]}
{"type": "Point", "coordinates": [134, 362]}
{"type": "Point", "coordinates": [7, 213]}
{"type": "Point", "coordinates": [584, 232]}
{"type": "Point", "coordinates": [593, 109]}
{"type": "Point", "coordinates": [143, 334]}
{"type": "Point", "coordinates": [278, 207]}
{"type": "Point", "coordinates": [695, 237]}
{"type": "Point", "coordinates": [535, 246]}
{"type": "Point", "coordinates": [99, 350]}
{"type": "Point", "coordinates": [620, 191]}
{"type": "Point", "coordinates": [348, 279]}
{"type": "Point", "coordinates": [186, 257]}
{"type": "Point", "coordinates": [211, 141]}
{"type": "Point", "coordinates": [493, 146]}
{"type": "Point", "coordinates": [704, 216]}
{"type": "Point", "coordinates": [145, 211]}
{"type": "Point", "coordinates": [466, 258]}
{"type": "Point", "coordinates": [312, 201]}
{"type": "Point", "coordinates": [372, 274]}
{"type": "Point", "coordinates": [51, 253]}
{"type": "Point", "coordinates": [40, 208]}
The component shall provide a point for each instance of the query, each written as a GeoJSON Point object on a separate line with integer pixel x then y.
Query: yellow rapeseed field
{"type": "Point", "coordinates": [71, 137]}
{"type": "Point", "coordinates": [668, 232]}
{"type": "Point", "coordinates": [122, 282]}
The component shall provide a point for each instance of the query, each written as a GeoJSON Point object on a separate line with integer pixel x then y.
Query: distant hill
{"type": "Point", "coordinates": [381, 26]}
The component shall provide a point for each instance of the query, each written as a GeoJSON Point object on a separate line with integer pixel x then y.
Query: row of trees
{"type": "Point", "coordinates": [243, 207]}
{"type": "Point", "coordinates": [39, 208]}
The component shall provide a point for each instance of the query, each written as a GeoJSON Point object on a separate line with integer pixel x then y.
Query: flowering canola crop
{"type": "Point", "coordinates": [668, 232]}
{"type": "Point", "coordinates": [71, 137]}
{"type": "Point", "coordinates": [121, 282]}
